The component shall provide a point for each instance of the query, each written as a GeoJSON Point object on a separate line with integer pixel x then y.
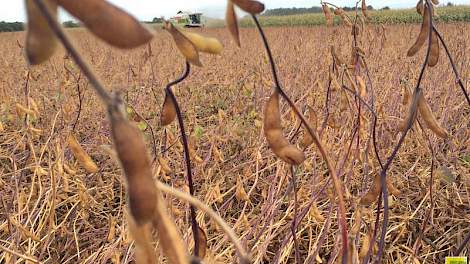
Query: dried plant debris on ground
{"type": "Point", "coordinates": [63, 196]}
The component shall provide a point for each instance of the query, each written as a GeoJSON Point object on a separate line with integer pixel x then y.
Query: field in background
{"type": "Point", "coordinates": [394, 16]}
{"type": "Point", "coordinates": [222, 105]}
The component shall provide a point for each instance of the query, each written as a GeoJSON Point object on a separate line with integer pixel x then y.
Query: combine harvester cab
{"type": "Point", "coordinates": [188, 19]}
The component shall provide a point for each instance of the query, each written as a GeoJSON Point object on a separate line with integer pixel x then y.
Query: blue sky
{"type": "Point", "coordinates": [12, 10]}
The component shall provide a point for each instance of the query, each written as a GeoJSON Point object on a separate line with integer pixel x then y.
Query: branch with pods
{"type": "Point", "coordinates": [146, 204]}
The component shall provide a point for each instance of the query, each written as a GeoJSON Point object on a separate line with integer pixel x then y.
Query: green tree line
{"type": "Point", "coordinates": [20, 26]}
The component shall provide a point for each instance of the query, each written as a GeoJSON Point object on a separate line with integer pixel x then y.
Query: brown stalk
{"type": "Point", "coordinates": [187, 157]}
{"type": "Point", "coordinates": [324, 154]}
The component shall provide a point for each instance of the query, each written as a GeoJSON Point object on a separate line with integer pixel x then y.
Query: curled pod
{"type": "Point", "coordinates": [202, 239]}
{"type": "Point", "coordinates": [434, 52]}
{"type": "Point", "coordinates": [429, 118]}
{"type": "Point", "coordinates": [362, 87]}
{"type": "Point", "coordinates": [134, 159]}
{"type": "Point", "coordinates": [250, 6]}
{"type": "Point", "coordinates": [328, 16]}
{"type": "Point", "coordinates": [108, 22]}
{"type": "Point", "coordinates": [168, 114]}
{"type": "Point", "coordinates": [420, 7]}
{"type": "Point", "coordinates": [232, 22]}
{"type": "Point", "coordinates": [339, 11]}
{"type": "Point", "coordinates": [204, 44]}
{"type": "Point", "coordinates": [346, 20]}
{"type": "Point", "coordinates": [273, 132]}
{"type": "Point", "coordinates": [406, 104]}
{"type": "Point", "coordinates": [412, 109]}
{"type": "Point", "coordinates": [364, 9]}
{"type": "Point", "coordinates": [185, 46]}
{"type": "Point", "coordinates": [41, 41]}
{"type": "Point", "coordinates": [365, 246]}
{"type": "Point", "coordinates": [307, 139]}
{"type": "Point", "coordinates": [423, 34]}
{"type": "Point", "coordinates": [80, 154]}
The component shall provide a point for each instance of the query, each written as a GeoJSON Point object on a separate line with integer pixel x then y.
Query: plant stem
{"type": "Point", "coordinates": [187, 158]}
{"type": "Point", "coordinates": [454, 68]}
{"type": "Point", "coordinates": [324, 154]}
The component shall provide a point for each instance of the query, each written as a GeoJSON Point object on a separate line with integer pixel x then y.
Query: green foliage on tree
{"type": "Point", "coordinates": [11, 26]}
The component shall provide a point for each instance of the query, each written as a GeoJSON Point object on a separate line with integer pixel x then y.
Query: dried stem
{"type": "Point", "coordinates": [324, 154]}
{"type": "Point", "coordinates": [454, 68]}
{"type": "Point", "coordinates": [80, 99]}
{"type": "Point", "coordinates": [184, 138]}
{"type": "Point", "coordinates": [462, 246]}
{"type": "Point", "coordinates": [294, 221]}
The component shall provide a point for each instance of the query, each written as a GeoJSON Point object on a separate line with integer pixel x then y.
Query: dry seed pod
{"type": "Point", "coordinates": [21, 111]}
{"type": "Point", "coordinates": [423, 34]}
{"type": "Point", "coordinates": [168, 114]}
{"type": "Point", "coordinates": [204, 44]}
{"type": "Point", "coordinates": [365, 246]}
{"type": "Point", "coordinates": [362, 86]}
{"type": "Point", "coordinates": [40, 39]}
{"type": "Point", "coordinates": [164, 164]}
{"type": "Point", "coordinates": [307, 139]}
{"type": "Point", "coordinates": [273, 132]}
{"type": "Point", "coordinates": [144, 252]}
{"type": "Point", "coordinates": [135, 162]}
{"type": "Point", "coordinates": [171, 241]}
{"type": "Point", "coordinates": [364, 9]}
{"type": "Point", "coordinates": [339, 11]}
{"type": "Point", "coordinates": [240, 192]}
{"type": "Point", "coordinates": [202, 239]}
{"type": "Point", "coordinates": [420, 7]}
{"type": "Point", "coordinates": [346, 20]}
{"type": "Point", "coordinates": [434, 52]}
{"type": "Point", "coordinates": [328, 16]}
{"type": "Point", "coordinates": [435, 2]}
{"type": "Point", "coordinates": [108, 22]}
{"type": "Point", "coordinates": [429, 118]}
{"type": "Point", "coordinates": [338, 60]}
{"type": "Point", "coordinates": [232, 22]}
{"type": "Point", "coordinates": [406, 104]}
{"type": "Point", "coordinates": [250, 6]}
{"type": "Point", "coordinates": [374, 191]}
{"type": "Point", "coordinates": [185, 46]}
{"type": "Point", "coordinates": [80, 154]}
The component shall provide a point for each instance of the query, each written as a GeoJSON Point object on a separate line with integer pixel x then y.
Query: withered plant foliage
{"type": "Point", "coordinates": [63, 194]}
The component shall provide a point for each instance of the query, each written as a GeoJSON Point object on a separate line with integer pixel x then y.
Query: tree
{"type": "Point", "coordinates": [157, 20]}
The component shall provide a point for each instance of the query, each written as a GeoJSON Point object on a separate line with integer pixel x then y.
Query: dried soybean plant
{"type": "Point", "coordinates": [415, 102]}
{"type": "Point", "coordinates": [145, 201]}
{"type": "Point", "coordinates": [272, 122]}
